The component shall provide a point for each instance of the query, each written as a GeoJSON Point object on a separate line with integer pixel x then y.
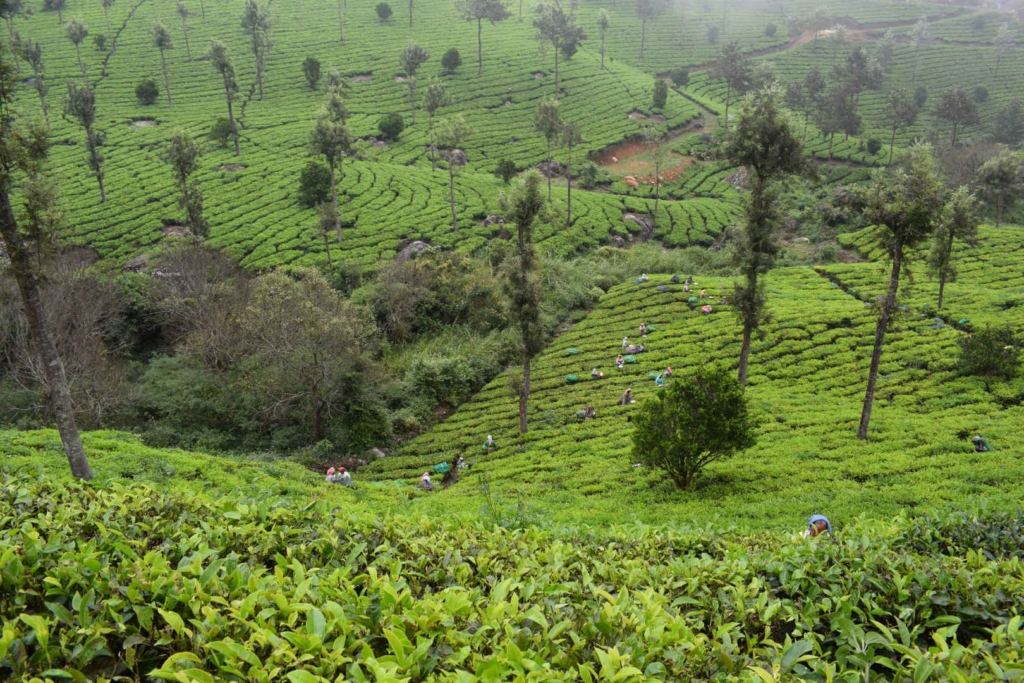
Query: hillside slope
{"type": "Point", "coordinates": [806, 383]}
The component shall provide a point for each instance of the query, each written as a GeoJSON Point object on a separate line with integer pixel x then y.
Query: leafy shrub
{"type": "Point", "coordinates": [383, 10]}
{"type": "Point", "coordinates": [146, 91]}
{"type": "Point", "coordinates": [991, 352]}
{"type": "Point", "coordinates": [506, 170]}
{"type": "Point", "coordinates": [451, 60]}
{"type": "Point", "coordinates": [221, 133]}
{"type": "Point", "coordinates": [874, 145]}
{"type": "Point", "coordinates": [99, 40]}
{"type": "Point", "coordinates": [702, 417]}
{"type": "Point", "coordinates": [660, 94]}
{"type": "Point", "coordinates": [680, 77]}
{"type": "Point", "coordinates": [588, 174]}
{"type": "Point", "coordinates": [311, 70]}
{"type": "Point", "coordinates": [978, 23]}
{"type": "Point", "coordinates": [712, 34]}
{"type": "Point", "coordinates": [920, 96]}
{"type": "Point", "coordinates": [314, 184]}
{"type": "Point", "coordinates": [770, 30]}
{"type": "Point", "coordinates": [981, 94]}
{"type": "Point", "coordinates": [391, 125]}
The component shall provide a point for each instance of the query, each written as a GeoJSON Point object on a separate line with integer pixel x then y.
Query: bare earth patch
{"type": "Point", "coordinates": [232, 168]}
{"type": "Point", "coordinates": [143, 123]}
{"type": "Point", "coordinates": [362, 78]}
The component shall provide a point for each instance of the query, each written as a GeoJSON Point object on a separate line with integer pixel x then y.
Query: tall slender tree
{"type": "Point", "coordinates": [436, 97]}
{"type": "Point", "coordinates": [412, 58]}
{"type": "Point", "coordinates": [76, 32]}
{"type": "Point", "coordinates": [162, 41]}
{"type": "Point", "coordinates": [81, 106]}
{"type": "Point", "coordinates": [184, 13]}
{"type": "Point", "coordinates": [556, 26]}
{"type": "Point", "coordinates": [22, 152]}
{"type": "Point", "coordinates": [571, 136]}
{"type": "Point", "coordinates": [1001, 181]}
{"type": "Point", "coordinates": [1008, 124]}
{"type": "Point", "coordinates": [959, 222]}
{"type": "Point", "coordinates": [957, 108]}
{"type": "Point", "coordinates": [764, 141]}
{"type": "Point", "coordinates": [479, 11]}
{"type": "Point", "coordinates": [59, 5]}
{"type": "Point", "coordinates": [733, 68]}
{"type": "Point", "coordinates": [451, 134]}
{"type": "Point", "coordinates": [919, 38]}
{"type": "Point", "coordinates": [202, 10]}
{"type": "Point", "coordinates": [107, 4]}
{"type": "Point", "coordinates": [522, 206]}
{"type": "Point", "coordinates": [603, 23]}
{"type": "Point", "coordinates": [33, 54]}
{"type": "Point", "coordinates": [256, 22]}
{"type": "Point", "coordinates": [905, 202]}
{"type": "Point", "coordinates": [1004, 43]}
{"type": "Point", "coordinates": [341, 24]}
{"type": "Point", "coordinates": [183, 157]}
{"type": "Point", "coordinates": [410, 13]}
{"type": "Point", "coordinates": [654, 139]}
{"type": "Point", "coordinates": [326, 220]}
{"type": "Point", "coordinates": [647, 11]}
{"type": "Point", "coordinates": [330, 138]}
{"type": "Point", "coordinates": [222, 63]}
{"type": "Point", "coordinates": [549, 124]}
{"type": "Point", "coordinates": [10, 10]}
{"type": "Point", "coordinates": [900, 111]}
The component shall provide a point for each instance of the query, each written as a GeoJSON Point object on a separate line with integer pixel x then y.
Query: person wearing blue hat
{"type": "Point", "coordinates": [817, 525]}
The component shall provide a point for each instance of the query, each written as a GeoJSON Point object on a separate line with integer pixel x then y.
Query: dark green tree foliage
{"type": "Point", "coordinates": [920, 96]}
{"type": "Point", "coordinates": [480, 11]}
{"type": "Point", "coordinates": [900, 112]}
{"type": "Point", "coordinates": [162, 42]}
{"type": "Point", "coordinates": [991, 352]}
{"type": "Point", "coordinates": [522, 206]}
{"type": "Point", "coordinates": [100, 41]}
{"type": "Point", "coordinates": [56, 6]}
{"type": "Point", "coordinates": [603, 23]}
{"type": "Point", "coordinates": [256, 22]}
{"type": "Point", "coordinates": [146, 92]}
{"type": "Point", "coordinates": [451, 134]}
{"type": "Point", "coordinates": [959, 222]}
{"type": "Point", "coordinates": [647, 11]}
{"type": "Point", "coordinates": [314, 184]}
{"type": "Point", "coordinates": [451, 60]}
{"type": "Point", "coordinates": [436, 97]}
{"type": "Point", "coordinates": [770, 30]}
{"type": "Point", "coordinates": [700, 418]}
{"type": "Point", "coordinates": [391, 125]}
{"type": "Point", "coordinates": [23, 150]}
{"type": "Point", "coordinates": [549, 124]}
{"type": "Point", "coordinates": [680, 77]}
{"type": "Point", "coordinates": [874, 146]}
{"type": "Point", "coordinates": [556, 26]}
{"type": "Point", "coordinates": [81, 106]}
{"type": "Point", "coordinates": [311, 70]}
{"type": "Point", "coordinates": [183, 157]}
{"type": "Point", "coordinates": [734, 70]}
{"type": "Point", "coordinates": [1008, 124]}
{"type": "Point", "coordinates": [764, 142]}
{"type": "Point", "coordinates": [660, 94]}
{"type": "Point", "coordinates": [33, 54]}
{"type": "Point", "coordinates": [980, 94]}
{"type": "Point", "coordinates": [107, 4]}
{"type": "Point", "coordinates": [330, 138]}
{"type": "Point", "coordinates": [506, 170]}
{"type": "Point", "coordinates": [906, 204]}
{"type": "Point", "coordinates": [1001, 181]}
{"type": "Point", "coordinates": [383, 11]}
{"type": "Point", "coordinates": [183, 14]}
{"type": "Point", "coordinates": [77, 32]}
{"type": "Point", "coordinates": [221, 132]}
{"type": "Point", "coordinates": [412, 58]}
{"type": "Point", "coordinates": [957, 108]}
{"type": "Point", "coordinates": [224, 66]}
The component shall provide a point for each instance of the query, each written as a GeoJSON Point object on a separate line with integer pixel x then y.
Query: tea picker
{"type": "Point", "coordinates": [816, 526]}
{"type": "Point", "coordinates": [980, 445]}
{"type": "Point", "coordinates": [425, 483]}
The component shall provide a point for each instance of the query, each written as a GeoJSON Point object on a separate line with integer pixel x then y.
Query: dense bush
{"type": "Point", "coordinates": [100, 41]}
{"type": "Point", "coordinates": [874, 146]}
{"type": "Point", "coordinates": [680, 77]}
{"type": "Point", "coordinates": [146, 91]}
{"type": "Point", "coordinates": [506, 170]}
{"type": "Point", "coordinates": [712, 34]}
{"type": "Point", "coordinates": [991, 352]}
{"type": "Point", "coordinates": [383, 10]}
{"type": "Point", "coordinates": [391, 125]}
{"type": "Point", "coordinates": [314, 184]}
{"type": "Point", "coordinates": [920, 96]}
{"type": "Point", "coordinates": [588, 174]}
{"type": "Point", "coordinates": [220, 132]}
{"type": "Point", "coordinates": [770, 30]}
{"type": "Point", "coordinates": [660, 94]}
{"type": "Point", "coordinates": [451, 60]}
{"type": "Point", "coordinates": [311, 71]}
{"type": "Point", "coordinates": [980, 94]}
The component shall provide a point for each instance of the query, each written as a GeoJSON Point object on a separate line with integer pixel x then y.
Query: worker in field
{"type": "Point", "coordinates": [643, 329]}
{"type": "Point", "coordinates": [668, 372]}
{"type": "Point", "coordinates": [330, 475]}
{"type": "Point", "coordinates": [627, 397]}
{"type": "Point", "coordinates": [425, 483]}
{"type": "Point", "coordinates": [589, 413]}
{"type": "Point", "coordinates": [706, 309]}
{"type": "Point", "coordinates": [595, 374]}
{"type": "Point", "coordinates": [817, 525]}
{"type": "Point", "coordinates": [490, 444]}
{"type": "Point", "coordinates": [980, 445]}
{"type": "Point", "coordinates": [659, 381]}
{"type": "Point", "coordinates": [620, 362]}
{"type": "Point", "coordinates": [625, 342]}
{"type": "Point", "coordinates": [344, 478]}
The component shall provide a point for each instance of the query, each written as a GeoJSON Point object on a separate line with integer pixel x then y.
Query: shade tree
{"type": "Point", "coordinates": [451, 135]}
{"type": "Point", "coordinates": [959, 221]}
{"type": "Point", "coordinates": [184, 13]}
{"type": "Point", "coordinates": [556, 27]}
{"type": "Point", "coordinates": [900, 112]}
{"type": "Point", "coordinates": [80, 105]}
{"type": "Point", "coordinates": [256, 22]}
{"type": "Point", "coordinates": [647, 11]}
{"type": "Point", "coordinates": [436, 97]}
{"type": "Point", "coordinates": [77, 32]}
{"type": "Point", "coordinates": [162, 41]}
{"type": "Point", "coordinates": [1000, 181]}
{"type": "Point", "coordinates": [32, 52]}
{"type": "Point", "coordinates": [225, 67]}
{"type": "Point", "coordinates": [958, 109]}
{"type": "Point", "coordinates": [412, 58]}
{"type": "Point", "coordinates": [734, 70]}
{"type": "Point", "coordinates": [311, 70]}
{"type": "Point", "coordinates": [603, 24]}
{"type": "Point", "coordinates": [330, 139]}
{"type": "Point", "coordinates": [571, 136]}
{"type": "Point", "coordinates": [480, 11]}
{"type": "Point", "coordinates": [182, 155]}
{"type": "Point", "coordinates": [549, 124]}
{"type": "Point", "coordinates": [1008, 124]}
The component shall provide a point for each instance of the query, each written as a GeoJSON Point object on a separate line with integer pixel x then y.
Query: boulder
{"type": "Point", "coordinates": [137, 264]}
{"type": "Point", "coordinates": [411, 250]}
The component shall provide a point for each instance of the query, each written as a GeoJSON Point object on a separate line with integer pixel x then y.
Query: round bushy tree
{"type": "Point", "coordinates": [222, 132]}
{"type": "Point", "coordinates": [700, 418]}
{"type": "Point", "coordinates": [660, 94]}
{"type": "Point", "coordinates": [506, 170]}
{"type": "Point", "coordinates": [147, 92]}
{"type": "Point", "coordinates": [991, 352]}
{"type": "Point", "coordinates": [770, 30]}
{"type": "Point", "coordinates": [383, 10]}
{"type": "Point", "coordinates": [874, 146]}
{"type": "Point", "coordinates": [391, 125]}
{"type": "Point", "coordinates": [451, 60]}
{"type": "Point", "coordinates": [314, 184]}
{"type": "Point", "coordinates": [680, 77]}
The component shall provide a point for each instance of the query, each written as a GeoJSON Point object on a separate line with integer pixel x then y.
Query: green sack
{"type": "Point", "coordinates": [572, 352]}
{"type": "Point", "coordinates": [629, 359]}
{"type": "Point", "coordinates": [572, 379]}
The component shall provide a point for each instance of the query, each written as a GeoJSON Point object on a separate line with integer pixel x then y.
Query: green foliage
{"type": "Point", "coordinates": [100, 41]}
{"type": "Point", "coordinates": [874, 146]}
{"type": "Point", "coordinates": [146, 92]}
{"type": "Point", "coordinates": [701, 418]}
{"type": "Point", "coordinates": [980, 94]}
{"type": "Point", "coordinates": [920, 95]}
{"type": "Point", "coordinates": [314, 183]}
{"type": "Point", "coordinates": [311, 70]}
{"type": "Point", "coordinates": [770, 30]}
{"type": "Point", "coordinates": [383, 11]}
{"type": "Point", "coordinates": [660, 94]}
{"type": "Point", "coordinates": [506, 170]}
{"type": "Point", "coordinates": [712, 35]}
{"type": "Point", "coordinates": [391, 125]}
{"type": "Point", "coordinates": [451, 60]}
{"type": "Point", "coordinates": [221, 132]}
{"type": "Point", "coordinates": [993, 351]}
{"type": "Point", "coordinates": [680, 77]}
{"type": "Point", "coordinates": [588, 174]}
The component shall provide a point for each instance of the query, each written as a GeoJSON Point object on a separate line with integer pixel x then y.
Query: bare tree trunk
{"type": "Point", "coordinates": [95, 163]}
{"type": "Point", "coordinates": [602, 50]}
{"type": "Point", "coordinates": [341, 26]}
{"type": "Point", "coordinates": [433, 152]}
{"type": "Point", "coordinates": [327, 248]}
{"type": "Point", "coordinates": [412, 98]}
{"type": "Point", "coordinates": [728, 94]}
{"type": "Point", "coordinates": [231, 118]}
{"type": "Point", "coordinates": [334, 198]}
{"type": "Point", "coordinates": [556, 73]}
{"type": "Point", "coordinates": [953, 144]}
{"type": "Point", "coordinates": [568, 186]}
{"type": "Point", "coordinates": [57, 386]}
{"type": "Point", "coordinates": [479, 48]}
{"type": "Point", "coordinates": [524, 395]}
{"type": "Point", "coordinates": [892, 141]}
{"type": "Point", "coordinates": [548, 174]}
{"type": "Point", "coordinates": [410, 13]}
{"type": "Point", "coordinates": [643, 37]}
{"type": "Point", "coordinates": [202, 8]}
{"type": "Point", "coordinates": [744, 355]}
{"type": "Point", "coordinates": [876, 354]}
{"type": "Point", "coordinates": [828, 167]}
{"type": "Point", "coordinates": [184, 29]}
{"type": "Point", "coordinates": [259, 75]}
{"type": "Point", "coordinates": [520, 10]}
{"type": "Point", "coordinates": [110, 34]}
{"type": "Point", "coordinates": [42, 98]}
{"type": "Point", "coordinates": [451, 194]}
{"type": "Point", "coordinates": [167, 83]}
{"type": "Point", "coordinates": [78, 50]}
{"type": "Point", "coordinates": [657, 191]}
{"type": "Point", "coordinates": [945, 267]}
